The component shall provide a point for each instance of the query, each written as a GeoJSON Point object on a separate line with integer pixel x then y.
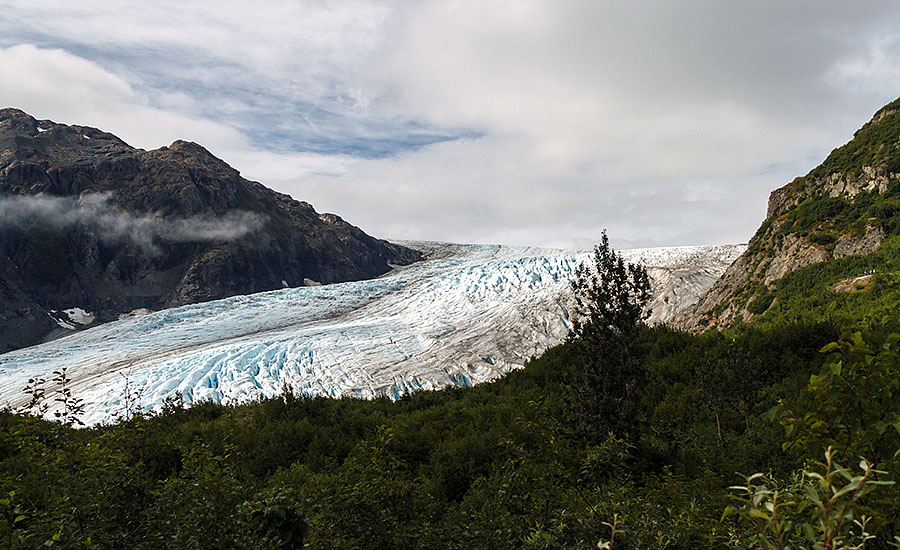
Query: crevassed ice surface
{"type": "Point", "coordinates": [468, 314]}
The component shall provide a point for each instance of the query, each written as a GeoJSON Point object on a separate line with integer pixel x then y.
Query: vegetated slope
{"type": "Point", "coordinates": [468, 314]}
{"type": "Point", "coordinates": [92, 225]}
{"type": "Point", "coordinates": [847, 207]}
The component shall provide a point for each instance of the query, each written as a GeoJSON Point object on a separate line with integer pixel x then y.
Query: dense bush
{"type": "Point", "coordinates": [761, 303]}
{"type": "Point", "coordinates": [496, 465]}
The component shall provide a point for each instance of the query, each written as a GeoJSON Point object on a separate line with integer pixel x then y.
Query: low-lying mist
{"type": "Point", "coordinates": [99, 213]}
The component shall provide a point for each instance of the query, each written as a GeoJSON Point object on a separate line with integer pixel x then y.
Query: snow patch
{"type": "Point", "coordinates": [64, 324]}
{"type": "Point", "coordinates": [80, 316]}
{"type": "Point", "coordinates": [70, 319]}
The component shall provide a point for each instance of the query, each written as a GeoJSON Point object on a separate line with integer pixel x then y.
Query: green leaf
{"type": "Point", "coordinates": [812, 495]}
{"type": "Point", "coordinates": [808, 532]}
{"type": "Point", "coordinates": [729, 510]}
{"type": "Point", "coordinates": [829, 347]}
{"type": "Point", "coordinates": [852, 486]}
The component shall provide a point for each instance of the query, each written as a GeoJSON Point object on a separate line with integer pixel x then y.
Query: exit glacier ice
{"type": "Point", "coordinates": [467, 314]}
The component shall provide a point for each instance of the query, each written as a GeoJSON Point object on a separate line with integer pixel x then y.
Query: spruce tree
{"type": "Point", "coordinates": [610, 307]}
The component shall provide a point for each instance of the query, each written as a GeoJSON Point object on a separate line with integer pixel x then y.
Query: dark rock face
{"type": "Point", "coordinates": [87, 221]}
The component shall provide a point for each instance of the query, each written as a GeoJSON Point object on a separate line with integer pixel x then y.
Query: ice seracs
{"type": "Point", "coordinates": [468, 314]}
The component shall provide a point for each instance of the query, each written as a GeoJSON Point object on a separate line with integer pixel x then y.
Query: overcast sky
{"type": "Point", "coordinates": [517, 122]}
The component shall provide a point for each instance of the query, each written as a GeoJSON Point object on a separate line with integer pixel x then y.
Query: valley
{"type": "Point", "coordinates": [465, 315]}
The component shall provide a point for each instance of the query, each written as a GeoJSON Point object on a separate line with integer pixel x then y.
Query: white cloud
{"type": "Point", "coordinates": [489, 190]}
{"type": "Point", "coordinates": [874, 67]}
{"type": "Point", "coordinates": [305, 50]}
{"type": "Point", "coordinates": [667, 123]}
{"type": "Point", "coordinates": [54, 84]}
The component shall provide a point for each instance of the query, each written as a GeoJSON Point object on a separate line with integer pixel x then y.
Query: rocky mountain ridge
{"type": "Point", "coordinates": [88, 222]}
{"type": "Point", "coordinates": [846, 206]}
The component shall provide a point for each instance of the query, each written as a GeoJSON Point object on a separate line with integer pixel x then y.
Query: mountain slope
{"type": "Point", "coordinates": [88, 222]}
{"type": "Point", "coordinates": [846, 207]}
{"type": "Point", "coordinates": [468, 314]}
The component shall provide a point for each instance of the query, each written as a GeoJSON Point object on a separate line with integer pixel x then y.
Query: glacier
{"type": "Point", "coordinates": [465, 315]}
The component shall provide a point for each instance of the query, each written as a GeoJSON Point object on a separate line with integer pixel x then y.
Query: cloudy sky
{"type": "Point", "coordinates": [518, 122]}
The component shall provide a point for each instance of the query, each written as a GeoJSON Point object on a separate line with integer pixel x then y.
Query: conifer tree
{"type": "Point", "coordinates": [610, 300]}
{"type": "Point", "coordinates": [610, 296]}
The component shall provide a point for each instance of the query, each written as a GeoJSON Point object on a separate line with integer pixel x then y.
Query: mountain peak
{"type": "Point", "coordinates": [189, 147]}
{"type": "Point", "coordinates": [166, 227]}
{"type": "Point", "coordinates": [193, 156]}
{"type": "Point", "coordinates": [43, 143]}
{"type": "Point", "coordinates": [11, 112]}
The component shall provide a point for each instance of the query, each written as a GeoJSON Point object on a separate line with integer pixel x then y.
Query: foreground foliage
{"type": "Point", "coordinates": [495, 466]}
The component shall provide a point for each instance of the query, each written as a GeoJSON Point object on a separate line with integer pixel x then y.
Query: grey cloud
{"type": "Point", "coordinates": [288, 75]}
{"type": "Point", "coordinates": [666, 122]}
{"type": "Point", "coordinates": [98, 213]}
